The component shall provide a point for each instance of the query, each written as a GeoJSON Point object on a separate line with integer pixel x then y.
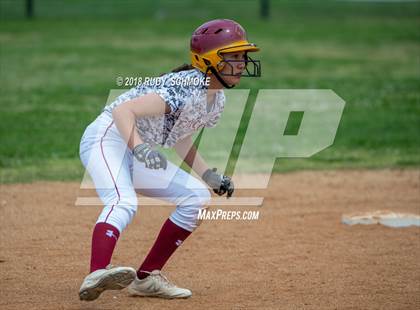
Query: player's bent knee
{"type": "Point", "coordinates": [203, 210]}
{"type": "Point", "coordinates": [203, 205]}
{"type": "Point", "coordinates": [186, 215]}
{"type": "Point", "coordinates": [203, 195]}
{"type": "Point", "coordinates": [122, 213]}
{"type": "Point", "coordinates": [195, 198]}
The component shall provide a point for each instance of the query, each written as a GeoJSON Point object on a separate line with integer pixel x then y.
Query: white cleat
{"type": "Point", "coordinates": [157, 285]}
{"type": "Point", "coordinates": [111, 278]}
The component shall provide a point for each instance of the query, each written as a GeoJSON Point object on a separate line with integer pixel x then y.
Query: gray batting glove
{"type": "Point", "coordinates": [151, 158]}
{"type": "Point", "coordinates": [220, 184]}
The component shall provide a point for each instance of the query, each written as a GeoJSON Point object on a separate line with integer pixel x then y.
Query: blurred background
{"type": "Point", "coordinates": [60, 58]}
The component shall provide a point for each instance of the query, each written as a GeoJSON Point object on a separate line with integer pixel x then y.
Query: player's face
{"type": "Point", "coordinates": [235, 66]}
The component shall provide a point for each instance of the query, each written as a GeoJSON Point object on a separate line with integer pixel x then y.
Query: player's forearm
{"type": "Point", "coordinates": [126, 114]}
{"type": "Point", "coordinates": [188, 152]}
{"type": "Point", "coordinates": [196, 162]}
{"type": "Point", "coordinates": [125, 120]}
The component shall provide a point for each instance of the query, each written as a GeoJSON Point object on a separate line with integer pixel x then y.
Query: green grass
{"type": "Point", "coordinates": [55, 74]}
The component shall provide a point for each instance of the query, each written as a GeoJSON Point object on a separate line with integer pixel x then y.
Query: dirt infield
{"type": "Point", "coordinates": [297, 255]}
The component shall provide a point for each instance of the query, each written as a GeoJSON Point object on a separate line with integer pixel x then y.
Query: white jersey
{"type": "Point", "coordinates": [188, 105]}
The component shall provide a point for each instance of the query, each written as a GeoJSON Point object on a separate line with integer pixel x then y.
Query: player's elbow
{"type": "Point", "coordinates": [120, 112]}
{"type": "Point", "coordinates": [116, 112]}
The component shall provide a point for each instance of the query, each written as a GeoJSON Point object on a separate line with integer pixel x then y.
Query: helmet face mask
{"type": "Point", "coordinates": [252, 68]}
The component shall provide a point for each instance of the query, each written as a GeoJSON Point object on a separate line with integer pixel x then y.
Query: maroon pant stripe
{"type": "Point", "coordinates": [110, 172]}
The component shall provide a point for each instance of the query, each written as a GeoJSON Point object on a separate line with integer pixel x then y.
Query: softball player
{"type": "Point", "coordinates": [119, 151]}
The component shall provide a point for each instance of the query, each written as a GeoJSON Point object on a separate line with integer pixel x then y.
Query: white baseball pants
{"type": "Point", "coordinates": [117, 176]}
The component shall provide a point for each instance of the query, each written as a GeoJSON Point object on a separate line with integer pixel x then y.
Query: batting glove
{"type": "Point", "coordinates": [220, 184]}
{"type": "Point", "coordinates": [151, 158]}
